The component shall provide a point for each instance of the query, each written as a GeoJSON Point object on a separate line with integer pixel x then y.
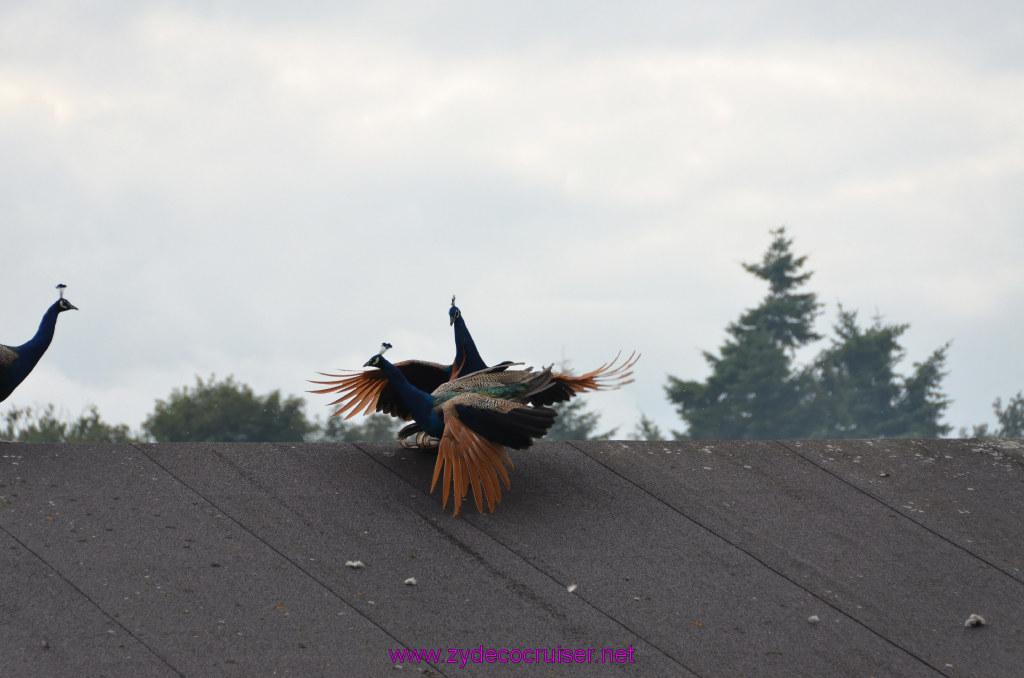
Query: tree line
{"type": "Point", "coordinates": [208, 411]}
{"type": "Point", "coordinates": [756, 390]}
{"type": "Point", "coordinates": [231, 412]}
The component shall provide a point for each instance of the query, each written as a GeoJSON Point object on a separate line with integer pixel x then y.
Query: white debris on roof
{"type": "Point", "coordinates": [975, 620]}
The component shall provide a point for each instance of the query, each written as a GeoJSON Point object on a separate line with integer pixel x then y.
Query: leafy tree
{"type": "Point", "coordinates": [575, 422]}
{"type": "Point", "coordinates": [752, 392]}
{"type": "Point", "coordinates": [43, 426]}
{"type": "Point", "coordinates": [227, 411]}
{"type": "Point", "coordinates": [375, 428]}
{"type": "Point", "coordinates": [647, 429]}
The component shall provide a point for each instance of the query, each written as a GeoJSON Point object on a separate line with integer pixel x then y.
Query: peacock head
{"type": "Point", "coordinates": [62, 303]}
{"type": "Point", "coordinates": [453, 313]}
{"type": "Point", "coordinates": [378, 360]}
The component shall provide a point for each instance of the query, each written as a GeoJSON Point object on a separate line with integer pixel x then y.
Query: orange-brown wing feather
{"type": "Point", "coordinates": [607, 377]}
{"type": "Point", "coordinates": [359, 391]}
{"type": "Point", "coordinates": [468, 459]}
{"type": "Point", "coordinates": [370, 391]}
{"type": "Point", "coordinates": [474, 464]}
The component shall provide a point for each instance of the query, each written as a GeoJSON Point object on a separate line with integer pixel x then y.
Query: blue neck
{"type": "Point", "coordinates": [32, 350]}
{"type": "Point", "coordinates": [421, 405]}
{"type": "Point", "coordinates": [465, 350]}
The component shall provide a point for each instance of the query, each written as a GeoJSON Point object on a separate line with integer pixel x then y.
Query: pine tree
{"type": "Point", "coordinates": [752, 393]}
{"type": "Point", "coordinates": [851, 389]}
{"type": "Point", "coordinates": [575, 422]}
{"type": "Point", "coordinates": [858, 394]}
{"type": "Point", "coordinates": [647, 429]}
{"type": "Point", "coordinates": [787, 317]}
{"type": "Point", "coordinates": [922, 403]}
{"type": "Point", "coordinates": [1011, 419]}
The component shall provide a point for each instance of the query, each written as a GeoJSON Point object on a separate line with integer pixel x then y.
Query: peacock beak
{"type": "Point", "coordinates": [72, 307]}
{"type": "Point", "coordinates": [368, 363]}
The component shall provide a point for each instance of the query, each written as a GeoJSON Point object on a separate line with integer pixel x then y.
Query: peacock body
{"type": "Point", "coordinates": [467, 410]}
{"type": "Point", "coordinates": [368, 392]}
{"type": "Point", "coordinates": [475, 417]}
{"type": "Point", "coordinates": [16, 362]}
{"type": "Point", "coordinates": [467, 357]}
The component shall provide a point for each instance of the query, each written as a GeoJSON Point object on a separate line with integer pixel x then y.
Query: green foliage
{"type": "Point", "coordinates": [856, 392]}
{"type": "Point", "coordinates": [43, 426]}
{"type": "Point", "coordinates": [374, 428]}
{"type": "Point", "coordinates": [647, 429]}
{"type": "Point", "coordinates": [850, 390]}
{"type": "Point", "coordinates": [749, 395]}
{"type": "Point", "coordinates": [1010, 418]}
{"type": "Point", "coordinates": [922, 402]}
{"type": "Point", "coordinates": [575, 422]}
{"type": "Point", "coordinates": [752, 392]}
{"type": "Point", "coordinates": [785, 317]}
{"type": "Point", "coordinates": [227, 411]}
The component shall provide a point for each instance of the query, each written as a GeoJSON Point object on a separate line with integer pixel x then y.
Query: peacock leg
{"type": "Point", "coordinates": [422, 441]}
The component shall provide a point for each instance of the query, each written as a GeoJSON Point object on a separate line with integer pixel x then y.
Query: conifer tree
{"type": "Point", "coordinates": [575, 422]}
{"type": "Point", "coordinates": [647, 429]}
{"type": "Point", "coordinates": [752, 393]}
{"type": "Point", "coordinates": [857, 392]}
{"type": "Point", "coordinates": [1011, 418]}
{"type": "Point", "coordinates": [851, 389]}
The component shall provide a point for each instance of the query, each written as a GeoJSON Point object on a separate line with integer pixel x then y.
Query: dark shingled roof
{"type": "Point", "coordinates": [707, 559]}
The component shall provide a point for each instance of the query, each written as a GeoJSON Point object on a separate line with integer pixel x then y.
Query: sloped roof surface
{"type": "Point", "coordinates": [706, 559]}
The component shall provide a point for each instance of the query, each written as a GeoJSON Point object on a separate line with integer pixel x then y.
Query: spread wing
{"type": "Point", "coordinates": [370, 391]}
{"type": "Point", "coordinates": [607, 377]}
{"type": "Point", "coordinates": [472, 450]}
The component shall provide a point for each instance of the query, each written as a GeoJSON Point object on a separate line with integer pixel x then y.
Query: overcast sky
{"type": "Point", "coordinates": [269, 189]}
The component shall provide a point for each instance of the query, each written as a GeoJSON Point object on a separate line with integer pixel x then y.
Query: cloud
{"type": "Point", "coordinates": [245, 189]}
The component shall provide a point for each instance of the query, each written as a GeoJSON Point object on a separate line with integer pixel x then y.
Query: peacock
{"type": "Point", "coordinates": [476, 417]}
{"type": "Point", "coordinates": [422, 374]}
{"type": "Point", "coordinates": [369, 391]}
{"type": "Point", "coordinates": [16, 362]}
{"type": "Point", "coordinates": [467, 357]}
